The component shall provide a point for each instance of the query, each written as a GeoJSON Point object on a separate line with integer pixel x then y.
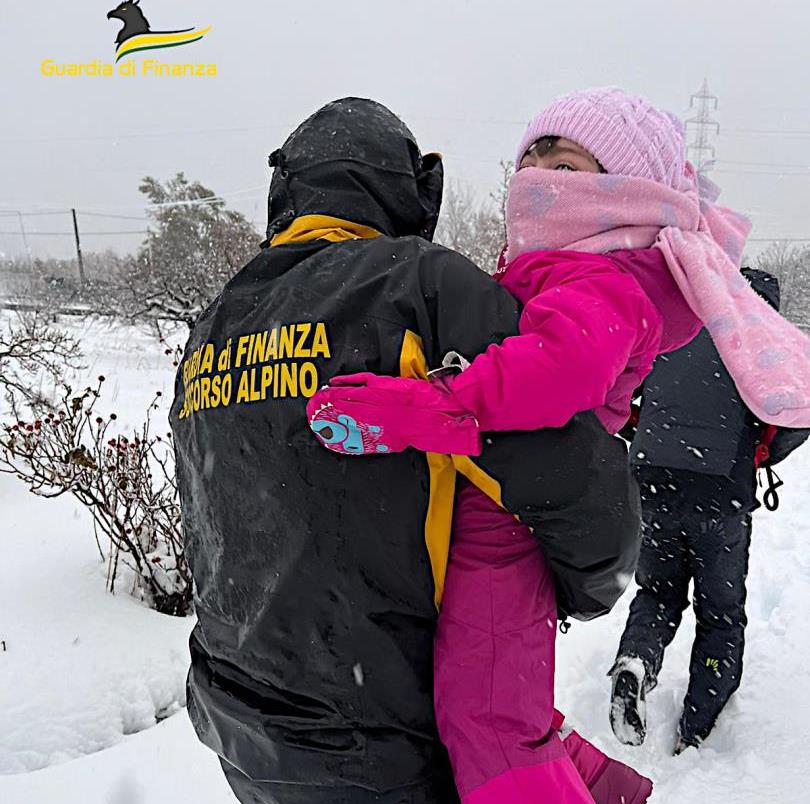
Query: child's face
{"type": "Point", "coordinates": [558, 153]}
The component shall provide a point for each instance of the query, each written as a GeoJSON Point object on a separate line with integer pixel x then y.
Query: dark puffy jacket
{"type": "Point", "coordinates": [317, 577]}
{"type": "Point", "coordinates": [785, 440]}
{"type": "Point", "coordinates": [692, 417]}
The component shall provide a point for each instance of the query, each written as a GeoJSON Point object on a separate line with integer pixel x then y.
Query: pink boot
{"type": "Point", "coordinates": [608, 780]}
{"type": "Point", "coordinates": [554, 781]}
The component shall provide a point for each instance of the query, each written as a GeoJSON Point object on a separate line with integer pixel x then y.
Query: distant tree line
{"type": "Point", "coordinates": [195, 244]}
{"type": "Point", "coordinates": [790, 264]}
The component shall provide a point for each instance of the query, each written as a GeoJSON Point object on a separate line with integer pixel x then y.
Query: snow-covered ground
{"type": "Point", "coordinates": [760, 749]}
{"type": "Point", "coordinates": [85, 675]}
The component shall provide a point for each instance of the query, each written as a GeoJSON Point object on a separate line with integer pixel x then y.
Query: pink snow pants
{"type": "Point", "coordinates": [494, 665]}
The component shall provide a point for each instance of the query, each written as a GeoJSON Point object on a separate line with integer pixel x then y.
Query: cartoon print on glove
{"type": "Point", "coordinates": [341, 433]}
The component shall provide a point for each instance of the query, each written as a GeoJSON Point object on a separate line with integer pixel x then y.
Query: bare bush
{"type": "Point", "coordinates": [127, 484]}
{"type": "Point", "coordinates": [473, 227]}
{"type": "Point", "coordinates": [30, 347]}
{"type": "Point", "coordinates": [790, 264]}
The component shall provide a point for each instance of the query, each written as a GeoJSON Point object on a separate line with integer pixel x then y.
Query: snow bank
{"type": "Point", "coordinates": [81, 668]}
{"type": "Point", "coordinates": [165, 765]}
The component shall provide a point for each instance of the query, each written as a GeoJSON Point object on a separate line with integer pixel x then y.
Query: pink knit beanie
{"type": "Point", "coordinates": [626, 134]}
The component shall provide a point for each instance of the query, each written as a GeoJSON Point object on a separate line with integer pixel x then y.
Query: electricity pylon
{"type": "Point", "coordinates": [700, 151]}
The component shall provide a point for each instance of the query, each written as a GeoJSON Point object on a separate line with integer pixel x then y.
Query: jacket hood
{"type": "Point", "coordinates": [354, 159]}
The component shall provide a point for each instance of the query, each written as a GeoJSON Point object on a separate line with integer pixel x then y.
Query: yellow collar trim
{"type": "Point", "coordinates": [323, 227]}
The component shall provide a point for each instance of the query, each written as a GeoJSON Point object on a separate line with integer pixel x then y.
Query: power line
{"type": "Point", "coordinates": [795, 166]}
{"type": "Point", "coordinates": [766, 132]}
{"type": "Point", "coordinates": [290, 126]}
{"type": "Point", "coordinates": [761, 173]}
{"type": "Point", "coordinates": [242, 129]}
{"type": "Point", "coordinates": [120, 232]}
{"type": "Point", "coordinates": [31, 214]}
{"type": "Point", "coordinates": [763, 164]}
{"type": "Point", "coordinates": [71, 234]}
{"type": "Point", "coordinates": [99, 211]}
{"type": "Point", "coordinates": [148, 134]}
{"type": "Point", "coordinates": [106, 215]}
{"type": "Point", "coordinates": [205, 200]}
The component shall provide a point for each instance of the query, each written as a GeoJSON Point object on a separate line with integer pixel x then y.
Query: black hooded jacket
{"type": "Point", "coordinates": [316, 575]}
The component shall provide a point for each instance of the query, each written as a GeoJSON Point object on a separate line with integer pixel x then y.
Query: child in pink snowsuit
{"type": "Point", "coordinates": [618, 254]}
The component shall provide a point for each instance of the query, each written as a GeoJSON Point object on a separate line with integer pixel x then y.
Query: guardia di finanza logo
{"type": "Point", "coordinates": [137, 35]}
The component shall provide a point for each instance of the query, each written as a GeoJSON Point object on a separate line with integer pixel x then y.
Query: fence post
{"type": "Point", "coordinates": [78, 247]}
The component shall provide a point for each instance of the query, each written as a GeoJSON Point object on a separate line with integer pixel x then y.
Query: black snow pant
{"type": "Point", "coordinates": [685, 540]}
{"type": "Point", "coordinates": [249, 792]}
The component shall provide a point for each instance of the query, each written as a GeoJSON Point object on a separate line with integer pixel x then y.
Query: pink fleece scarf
{"type": "Point", "coordinates": [702, 242]}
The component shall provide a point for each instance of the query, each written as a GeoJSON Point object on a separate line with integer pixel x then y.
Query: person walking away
{"type": "Point", "coordinates": [695, 453]}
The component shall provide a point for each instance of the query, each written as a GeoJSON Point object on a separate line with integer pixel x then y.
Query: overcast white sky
{"type": "Point", "coordinates": [466, 75]}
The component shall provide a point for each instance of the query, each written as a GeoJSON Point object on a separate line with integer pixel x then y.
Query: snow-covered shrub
{"type": "Point", "coordinates": [790, 264]}
{"type": "Point", "coordinates": [126, 482]}
{"type": "Point", "coordinates": [30, 348]}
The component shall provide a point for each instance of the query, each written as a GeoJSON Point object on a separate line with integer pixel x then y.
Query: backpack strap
{"type": "Point", "coordinates": [770, 498]}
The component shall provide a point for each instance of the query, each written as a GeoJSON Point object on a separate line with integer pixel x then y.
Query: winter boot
{"type": "Point", "coordinates": [608, 780]}
{"type": "Point", "coordinates": [628, 704]}
{"type": "Point", "coordinates": [685, 740]}
{"type": "Point", "coordinates": [681, 745]}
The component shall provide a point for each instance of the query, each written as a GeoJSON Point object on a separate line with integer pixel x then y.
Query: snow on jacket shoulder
{"type": "Point", "coordinates": [588, 336]}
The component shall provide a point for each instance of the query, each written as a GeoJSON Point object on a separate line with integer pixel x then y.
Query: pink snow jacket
{"type": "Point", "coordinates": [591, 328]}
{"type": "Point", "coordinates": [592, 324]}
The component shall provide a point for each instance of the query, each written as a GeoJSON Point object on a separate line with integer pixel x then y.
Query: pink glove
{"type": "Point", "coordinates": [365, 414]}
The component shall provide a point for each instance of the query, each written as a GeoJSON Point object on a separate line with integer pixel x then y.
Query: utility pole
{"type": "Point", "coordinates": [78, 247]}
{"type": "Point", "coordinates": [700, 151]}
{"type": "Point", "coordinates": [25, 241]}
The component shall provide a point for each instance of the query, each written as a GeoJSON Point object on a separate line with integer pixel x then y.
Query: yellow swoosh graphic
{"type": "Point", "coordinates": [149, 41]}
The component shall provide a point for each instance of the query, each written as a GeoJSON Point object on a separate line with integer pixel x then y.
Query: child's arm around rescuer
{"type": "Point", "coordinates": [589, 335]}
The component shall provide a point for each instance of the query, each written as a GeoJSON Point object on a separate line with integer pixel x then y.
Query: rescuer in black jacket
{"type": "Point", "coordinates": [317, 577]}
{"type": "Point", "coordinates": [694, 455]}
